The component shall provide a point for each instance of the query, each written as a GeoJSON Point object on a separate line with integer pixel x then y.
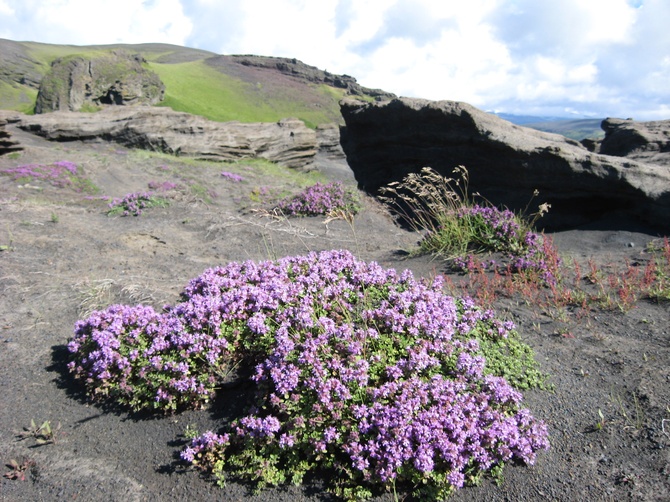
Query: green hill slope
{"type": "Point", "coordinates": [221, 88]}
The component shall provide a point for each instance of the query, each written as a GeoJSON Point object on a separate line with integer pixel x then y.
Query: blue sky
{"type": "Point", "coordinates": [581, 58]}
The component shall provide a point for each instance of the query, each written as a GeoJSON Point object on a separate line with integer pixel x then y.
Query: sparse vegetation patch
{"type": "Point", "coordinates": [133, 204]}
{"type": "Point", "coordinates": [320, 199]}
{"type": "Point", "coordinates": [60, 174]}
{"type": "Point", "coordinates": [502, 255]}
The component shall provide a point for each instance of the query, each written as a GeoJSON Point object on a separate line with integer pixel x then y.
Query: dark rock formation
{"type": "Point", "coordinates": [298, 69]}
{"type": "Point", "coordinates": [288, 142]}
{"type": "Point", "coordinates": [642, 141]}
{"type": "Point", "coordinates": [116, 78]}
{"type": "Point", "coordinates": [7, 144]}
{"type": "Point", "coordinates": [385, 141]}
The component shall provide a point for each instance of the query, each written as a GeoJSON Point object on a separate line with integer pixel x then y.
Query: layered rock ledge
{"type": "Point", "coordinates": [385, 141]}
{"type": "Point", "coordinates": [288, 142]}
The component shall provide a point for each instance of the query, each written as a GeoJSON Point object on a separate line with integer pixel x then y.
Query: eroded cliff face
{"type": "Point", "coordinates": [385, 141]}
{"type": "Point", "coordinates": [77, 83]}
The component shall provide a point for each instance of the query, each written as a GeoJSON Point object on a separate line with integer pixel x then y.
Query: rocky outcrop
{"type": "Point", "coordinates": [7, 144]}
{"type": "Point", "coordinates": [328, 141]}
{"type": "Point", "coordinates": [288, 142]}
{"type": "Point", "coordinates": [300, 70]}
{"type": "Point", "coordinates": [385, 141]}
{"type": "Point", "coordinates": [84, 83]}
{"type": "Point", "coordinates": [642, 141]}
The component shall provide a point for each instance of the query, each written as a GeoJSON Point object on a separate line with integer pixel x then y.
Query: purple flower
{"type": "Point", "coordinates": [235, 178]}
{"type": "Point", "coordinates": [60, 174]}
{"type": "Point", "coordinates": [132, 204]}
{"type": "Point", "coordinates": [318, 199]}
{"type": "Point", "coordinates": [353, 365]}
{"type": "Point", "coordinates": [162, 186]}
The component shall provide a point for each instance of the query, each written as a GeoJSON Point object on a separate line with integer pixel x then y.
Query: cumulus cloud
{"type": "Point", "coordinates": [594, 58]}
{"type": "Point", "coordinates": [88, 22]}
{"type": "Point", "coordinates": [216, 25]}
{"type": "Point", "coordinates": [408, 20]}
{"type": "Point", "coordinates": [5, 8]}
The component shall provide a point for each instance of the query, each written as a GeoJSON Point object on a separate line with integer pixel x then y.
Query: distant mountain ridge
{"type": "Point", "coordinates": [576, 129]}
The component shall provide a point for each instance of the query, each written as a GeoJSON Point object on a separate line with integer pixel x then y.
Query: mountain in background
{"type": "Point", "coordinates": [576, 129]}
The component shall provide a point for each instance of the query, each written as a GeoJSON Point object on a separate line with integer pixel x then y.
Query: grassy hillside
{"type": "Point", "coordinates": [20, 98]}
{"type": "Point", "coordinates": [198, 82]}
{"type": "Point", "coordinates": [198, 88]}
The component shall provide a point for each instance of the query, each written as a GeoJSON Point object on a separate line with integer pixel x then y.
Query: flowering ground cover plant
{"type": "Point", "coordinates": [163, 186]}
{"type": "Point", "coordinates": [235, 178]}
{"type": "Point", "coordinates": [61, 174]}
{"type": "Point", "coordinates": [132, 204]}
{"type": "Point", "coordinates": [456, 228]}
{"type": "Point", "coordinates": [379, 378]}
{"type": "Point", "coordinates": [320, 199]}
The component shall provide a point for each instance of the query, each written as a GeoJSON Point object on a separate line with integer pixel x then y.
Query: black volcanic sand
{"type": "Point", "coordinates": [63, 256]}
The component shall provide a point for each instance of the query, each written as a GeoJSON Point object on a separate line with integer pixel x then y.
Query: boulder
{"type": "Point", "coordinates": [643, 141]}
{"type": "Point", "coordinates": [87, 83]}
{"type": "Point", "coordinates": [385, 141]}
{"type": "Point", "coordinates": [288, 142]}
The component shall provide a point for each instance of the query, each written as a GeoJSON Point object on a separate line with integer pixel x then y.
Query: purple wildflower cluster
{"type": "Point", "coordinates": [145, 359]}
{"type": "Point", "coordinates": [60, 174]}
{"type": "Point", "coordinates": [235, 178]}
{"type": "Point", "coordinates": [501, 230]}
{"type": "Point", "coordinates": [357, 367]}
{"type": "Point", "coordinates": [163, 186]}
{"type": "Point", "coordinates": [319, 199]}
{"type": "Point", "coordinates": [132, 204]}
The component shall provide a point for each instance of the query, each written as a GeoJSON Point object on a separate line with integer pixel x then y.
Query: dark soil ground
{"type": "Point", "coordinates": [62, 256]}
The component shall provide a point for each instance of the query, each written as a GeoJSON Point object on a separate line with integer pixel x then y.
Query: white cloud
{"type": "Point", "coordinates": [5, 8]}
{"type": "Point", "coordinates": [85, 22]}
{"type": "Point", "coordinates": [601, 57]}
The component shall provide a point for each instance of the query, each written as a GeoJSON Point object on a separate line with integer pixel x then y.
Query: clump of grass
{"type": "Point", "coordinates": [134, 203]}
{"type": "Point", "coordinates": [379, 379]}
{"type": "Point", "coordinates": [456, 227]}
{"type": "Point", "coordinates": [657, 272]}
